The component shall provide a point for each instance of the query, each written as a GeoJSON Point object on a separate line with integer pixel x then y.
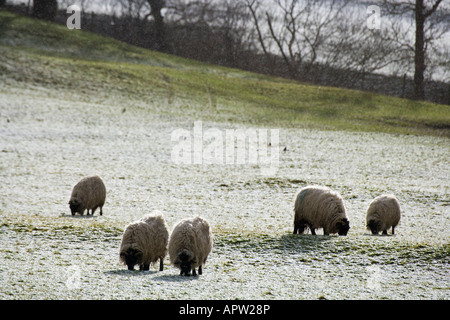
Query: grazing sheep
{"type": "Point", "coordinates": [189, 245]}
{"type": "Point", "coordinates": [89, 193]}
{"type": "Point", "coordinates": [383, 213]}
{"type": "Point", "coordinates": [320, 207]}
{"type": "Point", "coordinates": [144, 242]}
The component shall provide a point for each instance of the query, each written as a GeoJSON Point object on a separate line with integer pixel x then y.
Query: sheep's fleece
{"type": "Point", "coordinates": [383, 212]}
{"type": "Point", "coordinates": [190, 243]}
{"type": "Point", "coordinates": [320, 207]}
{"type": "Point", "coordinates": [144, 242]}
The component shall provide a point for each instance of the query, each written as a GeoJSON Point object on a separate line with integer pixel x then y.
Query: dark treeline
{"type": "Point", "coordinates": [323, 42]}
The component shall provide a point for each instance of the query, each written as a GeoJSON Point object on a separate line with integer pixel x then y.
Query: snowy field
{"type": "Point", "coordinates": [49, 142]}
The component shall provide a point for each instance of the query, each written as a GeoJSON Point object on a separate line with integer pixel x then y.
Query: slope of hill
{"type": "Point", "coordinates": [89, 67]}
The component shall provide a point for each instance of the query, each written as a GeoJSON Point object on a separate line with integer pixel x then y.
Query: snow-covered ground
{"type": "Point", "coordinates": [49, 142]}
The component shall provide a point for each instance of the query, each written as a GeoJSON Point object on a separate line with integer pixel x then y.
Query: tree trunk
{"type": "Point", "coordinates": [160, 34]}
{"type": "Point", "coordinates": [419, 54]}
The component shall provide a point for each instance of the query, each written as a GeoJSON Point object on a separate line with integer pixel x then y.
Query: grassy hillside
{"type": "Point", "coordinates": [74, 104]}
{"type": "Point", "coordinates": [43, 56]}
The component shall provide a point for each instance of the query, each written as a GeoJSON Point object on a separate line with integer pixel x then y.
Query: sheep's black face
{"type": "Point", "coordinates": [185, 263]}
{"type": "Point", "coordinates": [131, 257]}
{"type": "Point", "coordinates": [185, 268]}
{"type": "Point", "coordinates": [74, 206]}
{"type": "Point", "coordinates": [343, 226]}
{"type": "Point", "coordinates": [374, 226]}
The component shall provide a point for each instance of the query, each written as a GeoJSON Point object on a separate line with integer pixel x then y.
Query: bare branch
{"type": "Point", "coordinates": [432, 10]}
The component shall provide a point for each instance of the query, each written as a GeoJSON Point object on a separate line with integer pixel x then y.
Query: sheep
{"type": "Point", "coordinates": [190, 243]}
{"type": "Point", "coordinates": [144, 242]}
{"type": "Point", "coordinates": [383, 212]}
{"type": "Point", "coordinates": [320, 207]}
{"type": "Point", "coordinates": [88, 193]}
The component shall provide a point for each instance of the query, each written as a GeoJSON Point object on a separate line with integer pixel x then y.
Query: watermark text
{"type": "Point", "coordinates": [259, 147]}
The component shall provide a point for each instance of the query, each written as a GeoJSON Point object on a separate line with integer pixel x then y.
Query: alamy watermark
{"type": "Point", "coordinates": [259, 147]}
{"type": "Point", "coordinates": [73, 277]}
{"type": "Point", "coordinates": [375, 277]}
{"type": "Point", "coordinates": [374, 20]}
{"type": "Point", "coordinates": [74, 20]}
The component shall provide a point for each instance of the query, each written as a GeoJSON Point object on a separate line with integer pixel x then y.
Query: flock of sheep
{"type": "Point", "coordinates": [147, 240]}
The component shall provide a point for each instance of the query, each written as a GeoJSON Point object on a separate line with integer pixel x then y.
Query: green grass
{"type": "Point", "coordinates": [39, 54]}
{"type": "Point", "coordinates": [61, 226]}
{"type": "Point", "coordinates": [380, 249]}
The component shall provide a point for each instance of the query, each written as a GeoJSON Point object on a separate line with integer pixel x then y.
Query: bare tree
{"type": "Point", "coordinates": [318, 41]}
{"type": "Point", "coordinates": [45, 9]}
{"type": "Point", "coordinates": [421, 14]}
{"type": "Point", "coordinates": [308, 35]}
{"type": "Point", "coordinates": [134, 16]}
{"type": "Point", "coordinates": [156, 8]}
{"type": "Point", "coordinates": [210, 30]}
{"type": "Point", "coordinates": [138, 12]}
{"type": "Point", "coordinates": [427, 30]}
{"type": "Point", "coordinates": [252, 6]}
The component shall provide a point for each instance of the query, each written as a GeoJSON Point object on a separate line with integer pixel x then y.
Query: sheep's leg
{"type": "Point", "coordinates": [384, 232]}
{"type": "Point", "coordinates": [93, 210]}
{"type": "Point", "coordinates": [393, 230]}
{"type": "Point", "coordinates": [313, 231]}
{"type": "Point", "coordinates": [145, 267]}
{"type": "Point", "coordinates": [299, 227]}
{"type": "Point", "coordinates": [296, 227]}
{"type": "Point", "coordinates": [193, 272]}
{"type": "Point", "coordinates": [161, 265]}
{"type": "Point", "coordinates": [101, 211]}
{"type": "Point", "coordinates": [200, 270]}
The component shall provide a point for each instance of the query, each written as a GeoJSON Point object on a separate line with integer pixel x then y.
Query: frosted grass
{"type": "Point", "coordinates": [49, 141]}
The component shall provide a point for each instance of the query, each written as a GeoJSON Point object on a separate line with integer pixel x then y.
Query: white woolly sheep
{"type": "Point", "coordinates": [88, 193]}
{"type": "Point", "coordinates": [144, 242]}
{"type": "Point", "coordinates": [383, 213]}
{"type": "Point", "coordinates": [190, 243]}
{"type": "Point", "coordinates": [320, 207]}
